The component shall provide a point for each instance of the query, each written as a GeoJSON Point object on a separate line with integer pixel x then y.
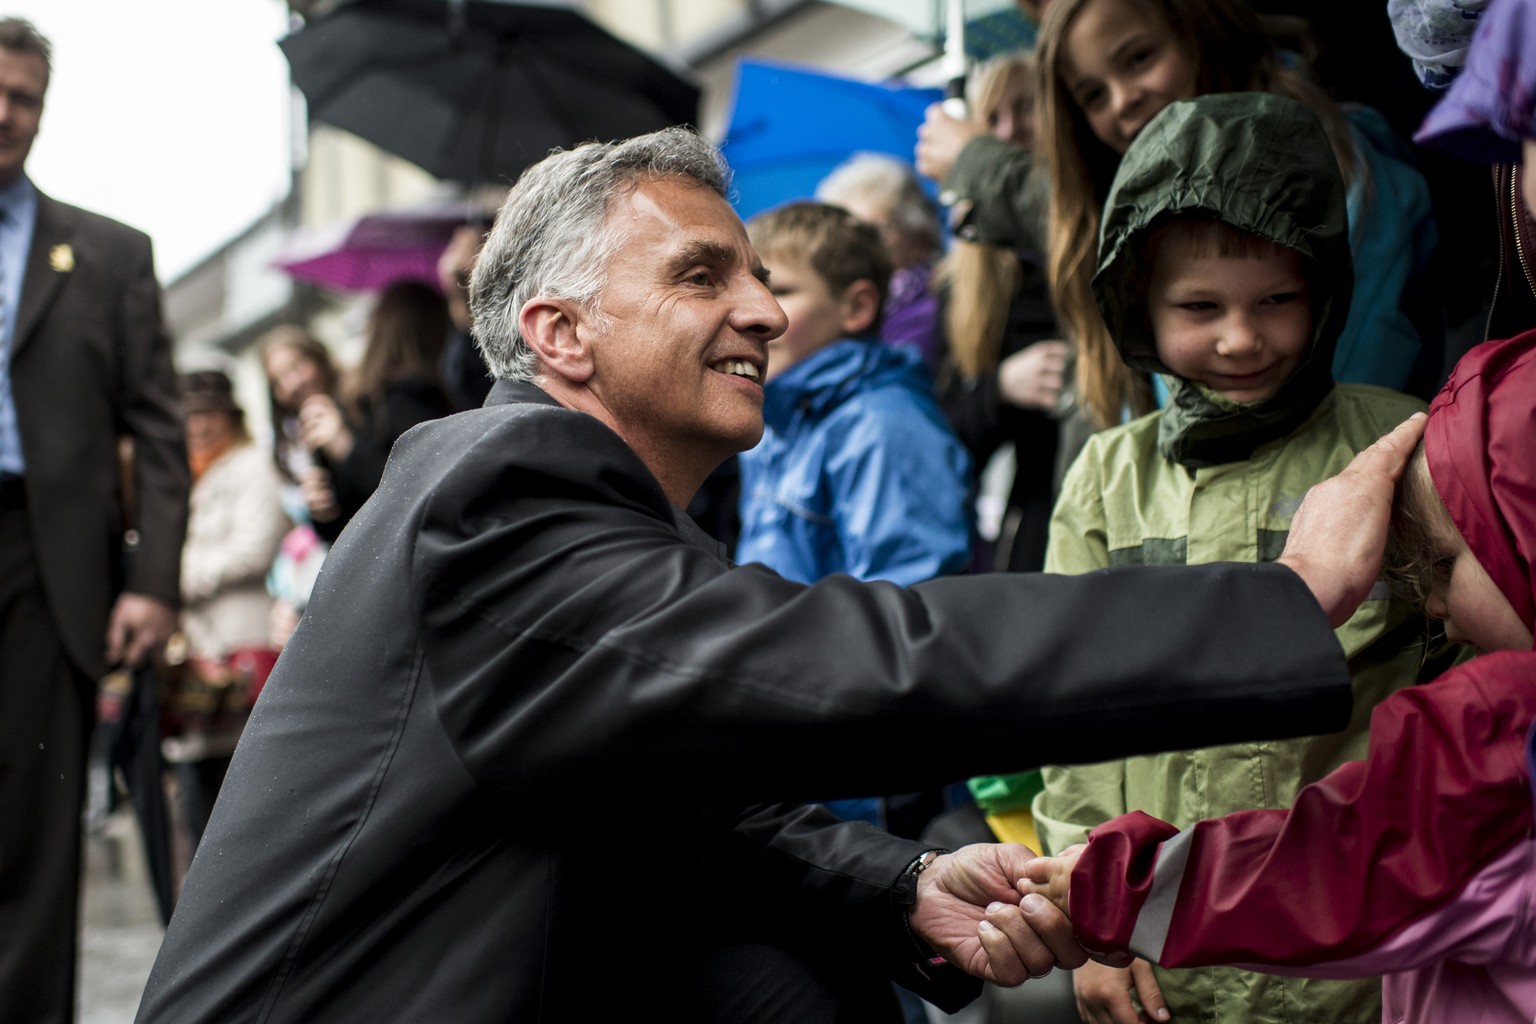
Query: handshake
{"type": "Point", "coordinates": [998, 912]}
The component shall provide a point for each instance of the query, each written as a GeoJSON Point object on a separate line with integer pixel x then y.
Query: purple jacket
{"type": "Point", "coordinates": [911, 318]}
{"type": "Point", "coordinates": [1491, 106]}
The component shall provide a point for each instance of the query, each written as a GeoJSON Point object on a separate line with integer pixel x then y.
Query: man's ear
{"type": "Point", "coordinates": [549, 327]}
{"type": "Point", "coordinates": [861, 304]}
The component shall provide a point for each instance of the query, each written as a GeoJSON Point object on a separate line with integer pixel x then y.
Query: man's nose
{"type": "Point", "coordinates": [757, 312]}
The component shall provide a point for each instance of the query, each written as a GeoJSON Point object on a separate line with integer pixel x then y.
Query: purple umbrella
{"type": "Point", "coordinates": [374, 251]}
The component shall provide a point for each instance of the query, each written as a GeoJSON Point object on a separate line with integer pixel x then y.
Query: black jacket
{"type": "Point", "coordinates": [503, 771]}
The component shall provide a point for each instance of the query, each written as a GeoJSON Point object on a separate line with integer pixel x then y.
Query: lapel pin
{"type": "Point", "coordinates": [62, 258]}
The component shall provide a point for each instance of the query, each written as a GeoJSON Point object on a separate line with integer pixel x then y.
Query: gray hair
{"type": "Point", "coordinates": [551, 236]}
{"type": "Point", "coordinates": [892, 184]}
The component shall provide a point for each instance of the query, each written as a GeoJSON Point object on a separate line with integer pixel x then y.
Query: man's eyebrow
{"type": "Point", "coordinates": [714, 254]}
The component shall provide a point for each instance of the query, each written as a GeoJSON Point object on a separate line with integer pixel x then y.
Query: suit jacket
{"type": "Point", "coordinates": [502, 770]}
{"type": "Point", "coordinates": [91, 363]}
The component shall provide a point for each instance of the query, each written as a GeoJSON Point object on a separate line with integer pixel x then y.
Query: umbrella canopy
{"type": "Point", "coordinates": [475, 90]}
{"type": "Point", "coordinates": [375, 251]}
{"type": "Point", "coordinates": [790, 126]}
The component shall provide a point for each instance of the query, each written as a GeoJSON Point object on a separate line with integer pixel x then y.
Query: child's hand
{"type": "Point", "coordinates": [940, 138]}
{"type": "Point", "coordinates": [1105, 994]}
{"type": "Point", "coordinates": [1032, 378]}
{"type": "Point", "coordinates": [1051, 877]}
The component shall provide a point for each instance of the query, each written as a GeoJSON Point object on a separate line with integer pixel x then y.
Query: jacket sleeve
{"type": "Point", "coordinates": [654, 657]}
{"type": "Point", "coordinates": [1373, 845]}
{"type": "Point", "coordinates": [1491, 920]}
{"type": "Point", "coordinates": [989, 194]}
{"type": "Point", "coordinates": [149, 414]}
{"type": "Point", "coordinates": [847, 876]}
{"type": "Point", "coordinates": [1079, 540]}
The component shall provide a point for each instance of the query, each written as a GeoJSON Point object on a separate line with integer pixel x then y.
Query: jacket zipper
{"type": "Point", "coordinates": [1519, 218]}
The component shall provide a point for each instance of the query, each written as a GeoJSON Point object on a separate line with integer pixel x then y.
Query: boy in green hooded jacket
{"type": "Point", "coordinates": [1225, 267]}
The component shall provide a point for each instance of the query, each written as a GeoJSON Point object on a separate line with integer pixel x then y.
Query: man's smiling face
{"type": "Point", "coordinates": [679, 349]}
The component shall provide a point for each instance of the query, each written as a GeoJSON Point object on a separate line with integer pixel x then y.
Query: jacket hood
{"type": "Point", "coordinates": [1263, 164]}
{"type": "Point", "coordinates": [1478, 444]}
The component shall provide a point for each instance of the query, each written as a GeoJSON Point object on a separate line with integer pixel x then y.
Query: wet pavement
{"type": "Point", "coordinates": [120, 929]}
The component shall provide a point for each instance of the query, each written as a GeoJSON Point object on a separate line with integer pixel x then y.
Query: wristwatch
{"type": "Point", "coordinates": [906, 888]}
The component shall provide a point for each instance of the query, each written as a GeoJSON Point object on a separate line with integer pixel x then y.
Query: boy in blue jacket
{"type": "Point", "coordinates": [857, 471]}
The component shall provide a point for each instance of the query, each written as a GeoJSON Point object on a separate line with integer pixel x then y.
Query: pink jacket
{"type": "Point", "coordinates": [1473, 961]}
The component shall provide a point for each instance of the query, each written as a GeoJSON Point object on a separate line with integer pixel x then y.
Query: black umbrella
{"type": "Point", "coordinates": [133, 747]}
{"type": "Point", "coordinates": [475, 90]}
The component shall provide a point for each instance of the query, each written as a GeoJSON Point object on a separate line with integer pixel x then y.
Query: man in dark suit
{"type": "Point", "coordinates": [88, 366]}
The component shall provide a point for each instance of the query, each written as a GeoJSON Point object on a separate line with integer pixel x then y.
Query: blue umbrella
{"type": "Point", "coordinates": [790, 126]}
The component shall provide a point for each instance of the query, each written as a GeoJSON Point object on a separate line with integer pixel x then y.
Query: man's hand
{"type": "Point", "coordinates": [967, 909]}
{"type": "Point", "coordinates": [1339, 532]}
{"type": "Point", "coordinates": [139, 626]}
{"type": "Point", "coordinates": [940, 138]}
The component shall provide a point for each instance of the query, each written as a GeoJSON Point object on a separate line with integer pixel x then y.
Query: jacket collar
{"type": "Point", "coordinates": [513, 392]}
{"type": "Point", "coordinates": [825, 378]}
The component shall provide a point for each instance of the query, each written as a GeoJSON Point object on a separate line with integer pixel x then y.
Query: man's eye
{"type": "Point", "coordinates": [700, 277]}
{"type": "Point", "coordinates": [1282, 298]}
{"type": "Point", "coordinates": [1197, 307]}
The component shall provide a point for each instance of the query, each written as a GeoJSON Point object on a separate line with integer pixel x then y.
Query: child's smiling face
{"type": "Point", "coordinates": [1240, 324]}
{"type": "Point", "coordinates": [1121, 66]}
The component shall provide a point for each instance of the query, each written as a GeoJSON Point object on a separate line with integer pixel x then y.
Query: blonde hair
{"type": "Point", "coordinates": [1412, 565]}
{"type": "Point", "coordinates": [982, 279]}
{"type": "Point", "coordinates": [1229, 51]}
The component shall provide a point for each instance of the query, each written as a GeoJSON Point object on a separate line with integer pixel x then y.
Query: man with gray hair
{"type": "Point", "coordinates": [506, 767]}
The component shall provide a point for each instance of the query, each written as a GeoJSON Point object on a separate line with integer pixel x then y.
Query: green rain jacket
{"type": "Point", "coordinates": [1209, 480]}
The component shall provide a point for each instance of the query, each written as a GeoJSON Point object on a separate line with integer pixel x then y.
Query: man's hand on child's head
{"type": "Point", "coordinates": [1051, 877]}
{"type": "Point", "coordinates": [1340, 531]}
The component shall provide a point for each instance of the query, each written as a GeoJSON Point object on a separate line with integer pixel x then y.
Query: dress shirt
{"type": "Point", "coordinates": [18, 216]}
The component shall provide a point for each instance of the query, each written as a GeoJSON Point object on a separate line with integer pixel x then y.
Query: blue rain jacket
{"type": "Point", "coordinates": [857, 472]}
